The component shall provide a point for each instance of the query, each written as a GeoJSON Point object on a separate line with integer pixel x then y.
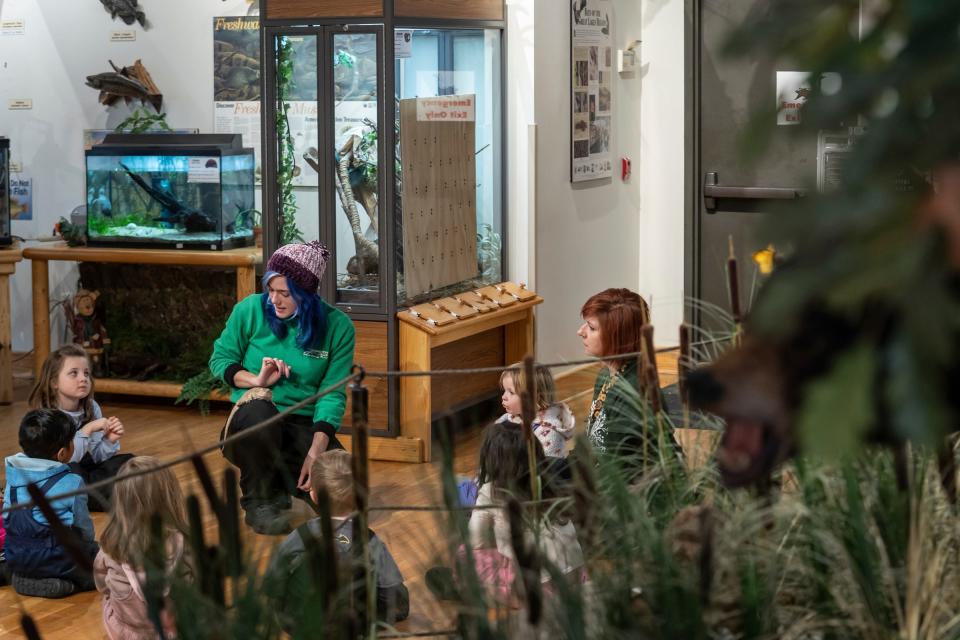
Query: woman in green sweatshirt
{"type": "Point", "coordinates": [621, 424]}
{"type": "Point", "coordinates": [278, 349]}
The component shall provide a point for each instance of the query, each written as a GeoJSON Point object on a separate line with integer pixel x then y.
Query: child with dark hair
{"type": "Point", "coordinates": [37, 561]}
{"type": "Point", "coordinates": [505, 472]}
{"type": "Point", "coordinates": [4, 575]}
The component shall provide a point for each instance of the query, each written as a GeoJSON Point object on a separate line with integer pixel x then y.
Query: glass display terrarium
{"type": "Point", "coordinates": [384, 140]}
{"type": "Point", "coordinates": [170, 191]}
{"type": "Point", "coordinates": [5, 235]}
{"type": "Point", "coordinates": [449, 163]}
{"type": "Point", "coordinates": [440, 231]}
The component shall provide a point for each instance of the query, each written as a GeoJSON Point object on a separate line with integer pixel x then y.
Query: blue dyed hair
{"type": "Point", "coordinates": [310, 310]}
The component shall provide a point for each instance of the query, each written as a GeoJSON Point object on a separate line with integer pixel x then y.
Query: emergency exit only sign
{"type": "Point", "coordinates": [447, 109]}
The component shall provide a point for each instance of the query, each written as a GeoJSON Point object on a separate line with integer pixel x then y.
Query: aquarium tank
{"type": "Point", "coordinates": [5, 237]}
{"type": "Point", "coordinates": [170, 191]}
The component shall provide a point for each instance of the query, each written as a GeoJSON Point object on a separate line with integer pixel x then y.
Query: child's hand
{"type": "Point", "coordinates": [94, 425]}
{"type": "Point", "coordinates": [114, 430]}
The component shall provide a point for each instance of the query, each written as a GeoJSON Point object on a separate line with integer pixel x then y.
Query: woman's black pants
{"type": "Point", "coordinates": [270, 458]}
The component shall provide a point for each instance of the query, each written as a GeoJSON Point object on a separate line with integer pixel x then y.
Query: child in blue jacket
{"type": "Point", "coordinates": [38, 562]}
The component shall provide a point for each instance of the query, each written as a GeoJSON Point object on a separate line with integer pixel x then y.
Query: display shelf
{"type": "Point", "coordinates": [419, 340]}
{"type": "Point", "coordinates": [243, 260]}
{"type": "Point", "coordinates": [9, 257]}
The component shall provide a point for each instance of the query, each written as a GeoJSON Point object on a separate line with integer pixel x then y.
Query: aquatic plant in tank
{"type": "Point", "coordinates": [166, 191]}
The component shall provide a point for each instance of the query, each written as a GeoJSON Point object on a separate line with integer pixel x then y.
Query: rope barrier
{"type": "Point", "coordinates": [633, 355]}
{"type": "Point", "coordinates": [419, 634]}
{"type": "Point", "coordinates": [357, 375]}
{"type": "Point", "coordinates": [197, 452]}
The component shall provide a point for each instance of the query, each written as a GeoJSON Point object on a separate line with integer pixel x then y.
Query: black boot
{"type": "Point", "coordinates": [267, 518]}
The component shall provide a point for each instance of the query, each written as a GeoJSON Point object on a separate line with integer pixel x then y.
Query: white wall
{"type": "Point", "coordinates": [521, 142]}
{"type": "Point", "coordinates": [661, 174]}
{"type": "Point", "coordinates": [65, 41]}
{"type": "Point", "coordinates": [567, 241]}
{"type": "Point", "coordinates": [610, 233]}
{"type": "Point", "coordinates": [586, 233]}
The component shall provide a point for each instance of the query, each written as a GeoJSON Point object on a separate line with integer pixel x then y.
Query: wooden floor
{"type": "Point", "coordinates": [166, 431]}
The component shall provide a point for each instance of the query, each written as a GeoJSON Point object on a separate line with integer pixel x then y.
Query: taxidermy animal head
{"type": "Point", "coordinates": [757, 388]}
{"type": "Point", "coordinates": [907, 350]}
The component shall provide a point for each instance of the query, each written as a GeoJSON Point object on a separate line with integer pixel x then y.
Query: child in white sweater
{"type": "Point", "coordinates": [553, 423]}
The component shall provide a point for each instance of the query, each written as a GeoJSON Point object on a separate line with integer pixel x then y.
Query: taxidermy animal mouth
{"type": "Point", "coordinates": [746, 452]}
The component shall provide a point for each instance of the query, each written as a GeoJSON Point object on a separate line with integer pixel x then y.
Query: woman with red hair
{"type": "Point", "coordinates": [620, 422]}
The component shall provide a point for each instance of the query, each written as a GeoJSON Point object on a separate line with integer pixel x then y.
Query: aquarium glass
{"type": "Point", "coordinates": [297, 137]}
{"type": "Point", "coordinates": [200, 199]}
{"type": "Point", "coordinates": [5, 236]}
{"type": "Point", "coordinates": [460, 62]}
{"type": "Point", "coordinates": [356, 172]}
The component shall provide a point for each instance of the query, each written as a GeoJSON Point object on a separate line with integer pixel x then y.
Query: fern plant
{"type": "Point", "coordinates": [142, 121]}
{"type": "Point", "coordinates": [198, 389]}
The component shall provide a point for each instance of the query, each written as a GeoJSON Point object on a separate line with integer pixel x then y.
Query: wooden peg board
{"type": "Point", "coordinates": [439, 201]}
{"type": "Point", "coordinates": [469, 307]}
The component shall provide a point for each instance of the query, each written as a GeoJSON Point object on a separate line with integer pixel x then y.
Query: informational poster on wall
{"type": "Point", "coordinates": [591, 96]}
{"type": "Point", "coordinates": [236, 79]}
{"type": "Point", "coordinates": [21, 197]}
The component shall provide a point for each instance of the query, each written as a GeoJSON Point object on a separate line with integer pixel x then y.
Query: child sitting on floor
{"type": "Point", "coordinates": [553, 422]}
{"type": "Point", "coordinates": [289, 570]}
{"type": "Point", "coordinates": [4, 576]}
{"type": "Point", "coordinates": [120, 568]}
{"type": "Point", "coordinates": [505, 472]}
{"type": "Point", "coordinates": [65, 383]}
{"type": "Point", "coordinates": [37, 561]}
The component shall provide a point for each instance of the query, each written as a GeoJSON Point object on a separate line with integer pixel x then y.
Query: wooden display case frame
{"type": "Point", "coordinates": [321, 18]}
{"type": "Point", "coordinates": [9, 257]}
{"type": "Point", "coordinates": [429, 9]}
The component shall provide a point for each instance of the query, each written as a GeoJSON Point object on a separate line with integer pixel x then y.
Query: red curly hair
{"type": "Point", "coordinates": [621, 314]}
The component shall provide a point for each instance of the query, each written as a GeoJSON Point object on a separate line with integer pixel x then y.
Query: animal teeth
{"type": "Point", "coordinates": [734, 461]}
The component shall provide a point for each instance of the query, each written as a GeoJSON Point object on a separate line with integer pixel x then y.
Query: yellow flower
{"type": "Point", "coordinates": [764, 259]}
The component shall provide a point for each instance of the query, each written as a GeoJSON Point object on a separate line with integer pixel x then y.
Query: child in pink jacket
{"type": "Point", "coordinates": [119, 570]}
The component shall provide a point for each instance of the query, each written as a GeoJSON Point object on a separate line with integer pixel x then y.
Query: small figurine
{"type": "Point", "coordinates": [88, 330]}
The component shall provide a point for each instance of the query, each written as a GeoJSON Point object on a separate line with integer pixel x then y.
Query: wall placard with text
{"type": "Point", "coordinates": [591, 97]}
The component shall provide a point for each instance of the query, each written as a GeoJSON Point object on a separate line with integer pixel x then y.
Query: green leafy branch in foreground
{"type": "Point", "coordinates": [199, 387]}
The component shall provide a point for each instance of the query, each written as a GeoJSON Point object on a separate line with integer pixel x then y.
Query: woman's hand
{"type": "Point", "coordinates": [93, 426]}
{"type": "Point", "coordinates": [114, 429]}
{"type": "Point", "coordinates": [271, 370]}
{"type": "Point", "coordinates": [318, 446]}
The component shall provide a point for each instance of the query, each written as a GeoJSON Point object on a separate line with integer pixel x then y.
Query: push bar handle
{"type": "Point", "coordinates": [713, 191]}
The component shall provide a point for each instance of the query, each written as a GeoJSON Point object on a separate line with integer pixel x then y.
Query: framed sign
{"type": "Point", "coordinates": [591, 97]}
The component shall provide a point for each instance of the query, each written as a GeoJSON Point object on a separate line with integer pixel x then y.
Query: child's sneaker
{"type": "Point", "coordinates": [43, 587]}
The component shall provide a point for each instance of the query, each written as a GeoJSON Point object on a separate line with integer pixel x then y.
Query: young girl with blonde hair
{"type": "Point", "coordinates": [553, 422]}
{"type": "Point", "coordinates": [119, 570]}
{"type": "Point", "coordinates": [66, 383]}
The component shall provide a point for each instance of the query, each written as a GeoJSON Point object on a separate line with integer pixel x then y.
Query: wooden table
{"type": "Point", "coordinates": [244, 260]}
{"type": "Point", "coordinates": [9, 257]}
{"type": "Point", "coordinates": [418, 339]}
